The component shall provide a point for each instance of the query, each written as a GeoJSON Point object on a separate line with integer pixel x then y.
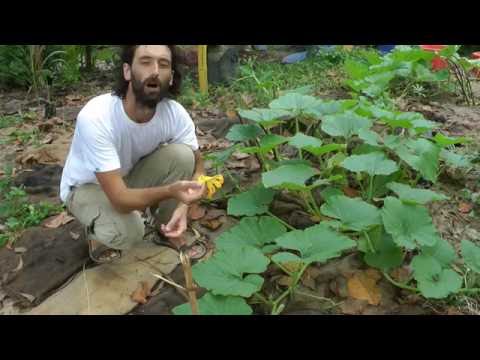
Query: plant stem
{"type": "Point", "coordinates": [281, 221]}
{"type": "Point", "coordinates": [262, 299]}
{"type": "Point", "coordinates": [473, 290]}
{"type": "Point", "coordinates": [370, 189]}
{"type": "Point", "coordinates": [298, 276]}
{"type": "Point", "coordinates": [400, 285]}
{"type": "Point", "coordinates": [369, 242]}
{"type": "Point", "coordinates": [314, 203]}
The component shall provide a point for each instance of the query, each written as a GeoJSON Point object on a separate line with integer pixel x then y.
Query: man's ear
{"type": "Point", "coordinates": [127, 72]}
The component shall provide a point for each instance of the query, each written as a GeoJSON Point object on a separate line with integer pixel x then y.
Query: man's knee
{"type": "Point", "coordinates": [182, 157]}
{"type": "Point", "coordinates": [119, 232]}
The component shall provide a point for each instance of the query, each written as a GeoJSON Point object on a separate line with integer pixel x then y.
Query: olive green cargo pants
{"type": "Point", "coordinates": [90, 205]}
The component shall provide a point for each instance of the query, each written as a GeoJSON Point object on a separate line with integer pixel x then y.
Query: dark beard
{"type": "Point", "coordinates": [148, 100]}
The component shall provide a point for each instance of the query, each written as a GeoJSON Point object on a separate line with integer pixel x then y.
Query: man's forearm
{"type": "Point", "coordinates": [140, 199]}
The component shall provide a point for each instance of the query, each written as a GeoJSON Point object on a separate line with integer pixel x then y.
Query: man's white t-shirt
{"type": "Point", "coordinates": [106, 139]}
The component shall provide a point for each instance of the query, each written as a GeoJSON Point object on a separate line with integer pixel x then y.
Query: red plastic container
{"type": "Point", "coordinates": [476, 55]}
{"type": "Point", "coordinates": [438, 63]}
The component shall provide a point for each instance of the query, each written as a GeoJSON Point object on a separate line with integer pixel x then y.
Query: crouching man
{"type": "Point", "coordinates": [134, 149]}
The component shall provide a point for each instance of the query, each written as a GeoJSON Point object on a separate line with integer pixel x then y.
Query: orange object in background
{"type": "Point", "coordinates": [438, 63]}
{"type": "Point", "coordinates": [476, 55]}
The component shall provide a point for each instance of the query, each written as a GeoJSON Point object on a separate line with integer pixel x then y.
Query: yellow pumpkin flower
{"type": "Point", "coordinates": [213, 183]}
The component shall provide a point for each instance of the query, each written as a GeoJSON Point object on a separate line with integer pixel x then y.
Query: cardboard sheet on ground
{"type": "Point", "coordinates": [106, 289]}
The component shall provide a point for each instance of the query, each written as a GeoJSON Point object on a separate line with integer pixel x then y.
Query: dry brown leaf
{"type": "Point", "coordinates": [231, 114]}
{"type": "Point", "coordinates": [363, 286]}
{"type": "Point", "coordinates": [401, 274]}
{"type": "Point", "coordinates": [19, 266]}
{"type": "Point", "coordinates": [58, 220]}
{"type": "Point", "coordinates": [214, 214]}
{"type": "Point", "coordinates": [141, 293]}
{"type": "Point", "coordinates": [237, 164]}
{"type": "Point", "coordinates": [350, 192]}
{"type": "Point", "coordinates": [29, 297]}
{"type": "Point", "coordinates": [240, 156]}
{"type": "Point", "coordinates": [252, 164]}
{"type": "Point", "coordinates": [308, 280]}
{"type": "Point", "coordinates": [247, 99]}
{"type": "Point", "coordinates": [213, 224]}
{"type": "Point", "coordinates": [285, 281]}
{"type": "Point", "coordinates": [465, 207]}
{"type": "Point", "coordinates": [353, 306]}
{"type": "Point", "coordinates": [48, 139]}
{"type": "Point", "coordinates": [196, 212]}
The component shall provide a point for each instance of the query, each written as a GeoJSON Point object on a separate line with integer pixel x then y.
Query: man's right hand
{"type": "Point", "coordinates": [187, 192]}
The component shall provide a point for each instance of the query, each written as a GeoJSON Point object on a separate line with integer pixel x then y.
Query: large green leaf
{"type": "Point", "coordinates": [211, 304]}
{"type": "Point", "coordinates": [369, 137]}
{"type": "Point", "coordinates": [252, 202]}
{"type": "Point", "coordinates": [253, 231]}
{"type": "Point", "coordinates": [408, 224]}
{"type": "Point", "coordinates": [386, 255]}
{"type": "Point", "coordinates": [313, 145]}
{"type": "Point", "coordinates": [375, 163]}
{"type": "Point", "coordinates": [422, 155]}
{"type": "Point", "coordinates": [345, 125]}
{"type": "Point", "coordinates": [301, 141]}
{"type": "Point", "coordinates": [267, 143]}
{"type": "Point", "coordinates": [355, 69]}
{"type": "Point", "coordinates": [415, 196]}
{"type": "Point", "coordinates": [442, 251]}
{"type": "Point", "coordinates": [445, 141]}
{"type": "Point", "coordinates": [434, 281]}
{"type": "Point", "coordinates": [224, 273]}
{"type": "Point", "coordinates": [316, 243]}
{"type": "Point", "coordinates": [296, 104]}
{"type": "Point", "coordinates": [471, 255]}
{"type": "Point", "coordinates": [244, 132]}
{"type": "Point", "coordinates": [265, 117]}
{"type": "Point", "coordinates": [291, 177]}
{"type": "Point", "coordinates": [354, 214]}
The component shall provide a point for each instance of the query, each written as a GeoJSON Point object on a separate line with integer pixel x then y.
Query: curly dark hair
{"type": "Point", "coordinates": [127, 53]}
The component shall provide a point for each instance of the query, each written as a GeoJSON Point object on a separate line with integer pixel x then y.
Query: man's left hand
{"type": "Point", "coordinates": [177, 224]}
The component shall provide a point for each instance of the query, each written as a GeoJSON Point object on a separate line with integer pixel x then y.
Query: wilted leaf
{"type": "Point", "coordinates": [59, 220]}
{"type": "Point", "coordinates": [363, 286]}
